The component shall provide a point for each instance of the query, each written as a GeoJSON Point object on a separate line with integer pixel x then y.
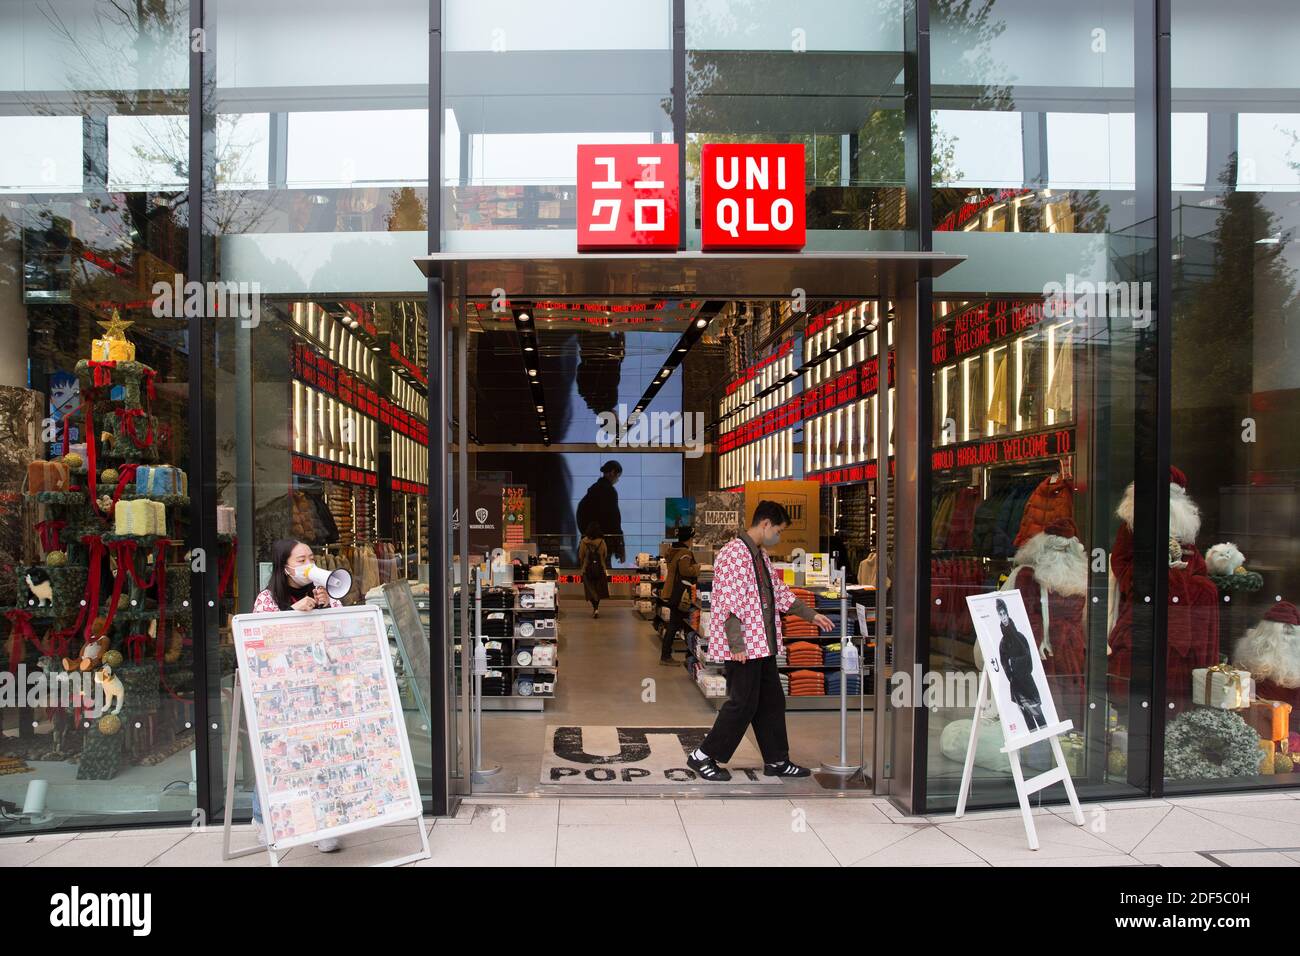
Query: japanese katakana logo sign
{"type": "Point", "coordinates": [628, 197]}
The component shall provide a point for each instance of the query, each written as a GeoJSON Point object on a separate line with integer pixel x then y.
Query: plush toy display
{"type": "Point", "coordinates": [40, 589]}
{"type": "Point", "coordinates": [1271, 652]}
{"type": "Point", "coordinates": [1227, 567]}
{"type": "Point", "coordinates": [114, 692]}
{"type": "Point", "coordinates": [92, 651]}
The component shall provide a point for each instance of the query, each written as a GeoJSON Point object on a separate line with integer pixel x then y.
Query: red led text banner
{"type": "Point", "coordinates": [982, 326]}
{"type": "Point", "coordinates": [396, 354]}
{"type": "Point", "coordinates": [409, 487]}
{"type": "Point", "coordinates": [784, 416]}
{"type": "Point", "coordinates": [849, 474]}
{"type": "Point", "coordinates": [314, 369]}
{"type": "Point", "coordinates": [847, 387]}
{"type": "Point", "coordinates": [999, 451]}
{"type": "Point", "coordinates": [751, 373]}
{"type": "Point", "coordinates": [331, 471]}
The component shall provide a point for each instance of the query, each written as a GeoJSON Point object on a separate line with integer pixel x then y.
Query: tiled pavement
{"type": "Point", "coordinates": [1223, 831]}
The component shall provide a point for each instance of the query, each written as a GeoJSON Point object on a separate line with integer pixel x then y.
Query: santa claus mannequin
{"type": "Point", "coordinates": [1192, 614]}
{"type": "Point", "coordinates": [1051, 574]}
{"type": "Point", "coordinates": [1270, 651]}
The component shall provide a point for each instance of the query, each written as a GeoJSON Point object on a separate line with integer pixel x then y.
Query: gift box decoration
{"type": "Point", "coordinates": [112, 350]}
{"type": "Point", "coordinates": [140, 516]}
{"type": "Point", "coordinates": [1270, 718]}
{"type": "Point", "coordinates": [114, 346]}
{"type": "Point", "coordinates": [45, 475]}
{"type": "Point", "coordinates": [161, 480]}
{"type": "Point", "coordinates": [1221, 686]}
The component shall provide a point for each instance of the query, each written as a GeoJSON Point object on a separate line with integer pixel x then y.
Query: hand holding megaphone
{"type": "Point", "coordinates": [336, 583]}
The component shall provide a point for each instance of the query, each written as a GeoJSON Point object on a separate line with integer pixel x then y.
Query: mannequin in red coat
{"type": "Point", "coordinates": [1053, 564]}
{"type": "Point", "coordinates": [1193, 613]}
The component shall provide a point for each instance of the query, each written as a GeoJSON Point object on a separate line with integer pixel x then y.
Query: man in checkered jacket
{"type": "Point", "coordinates": [746, 605]}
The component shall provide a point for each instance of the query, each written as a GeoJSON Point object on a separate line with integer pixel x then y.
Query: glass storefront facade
{"type": "Point", "coordinates": [1107, 398]}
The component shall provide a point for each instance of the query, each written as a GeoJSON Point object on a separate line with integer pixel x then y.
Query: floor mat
{"type": "Point", "coordinates": [638, 756]}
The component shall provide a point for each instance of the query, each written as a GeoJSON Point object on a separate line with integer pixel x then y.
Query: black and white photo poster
{"type": "Point", "coordinates": [1011, 660]}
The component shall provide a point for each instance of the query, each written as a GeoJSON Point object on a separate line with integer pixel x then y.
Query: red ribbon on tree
{"type": "Point", "coordinates": [126, 476]}
{"type": "Point", "coordinates": [227, 571]}
{"type": "Point", "coordinates": [67, 424]}
{"type": "Point", "coordinates": [102, 372]}
{"type": "Point", "coordinates": [149, 376]}
{"type": "Point", "coordinates": [127, 417]}
{"type": "Point", "coordinates": [49, 533]}
{"type": "Point", "coordinates": [134, 647]}
{"type": "Point", "coordinates": [20, 635]}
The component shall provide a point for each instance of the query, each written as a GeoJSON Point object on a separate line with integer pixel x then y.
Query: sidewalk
{"type": "Point", "coordinates": [1236, 830]}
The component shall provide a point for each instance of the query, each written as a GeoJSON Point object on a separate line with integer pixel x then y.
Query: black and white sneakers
{"type": "Point", "coordinates": [707, 767]}
{"type": "Point", "coordinates": [785, 769]}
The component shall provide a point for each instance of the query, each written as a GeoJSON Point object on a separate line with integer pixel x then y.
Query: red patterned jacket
{"type": "Point", "coordinates": [735, 591]}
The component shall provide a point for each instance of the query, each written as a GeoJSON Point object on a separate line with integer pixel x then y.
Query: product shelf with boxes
{"type": "Point", "coordinates": [518, 626]}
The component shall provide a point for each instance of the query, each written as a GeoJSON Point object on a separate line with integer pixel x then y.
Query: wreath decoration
{"type": "Point", "coordinates": [1209, 743]}
{"type": "Point", "coordinates": [1242, 580]}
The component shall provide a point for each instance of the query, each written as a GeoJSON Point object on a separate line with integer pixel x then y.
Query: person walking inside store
{"type": "Point", "coordinates": [600, 504]}
{"type": "Point", "coordinates": [747, 602]}
{"type": "Point", "coordinates": [593, 559]}
{"type": "Point", "coordinates": [288, 590]}
{"type": "Point", "coordinates": [682, 570]}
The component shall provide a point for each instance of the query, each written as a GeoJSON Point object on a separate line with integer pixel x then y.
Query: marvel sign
{"type": "Point", "coordinates": [752, 196]}
{"type": "Point", "coordinates": [628, 197]}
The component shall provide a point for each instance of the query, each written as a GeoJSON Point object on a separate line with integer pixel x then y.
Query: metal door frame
{"type": "Point", "coordinates": [900, 277]}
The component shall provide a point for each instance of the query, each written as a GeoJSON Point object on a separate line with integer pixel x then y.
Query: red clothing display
{"type": "Point", "coordinates": [1193, 622]}
{"type": "Point", "coordinates": [1052, 500]}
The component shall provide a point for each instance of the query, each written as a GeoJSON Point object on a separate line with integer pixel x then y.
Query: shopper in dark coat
{"type": "Point", "coordinates": [600, 504]}
{"type": "Point", "coordinates": [593, 559]}
{"type": "Point", "coordinates": [1017, 655]}
{"type": "Point", "coordinates": [683, 569]}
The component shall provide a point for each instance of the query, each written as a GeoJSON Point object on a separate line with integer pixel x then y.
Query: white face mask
{"type": "Point", "coordinates": [772, 538]}
{"type": "Point", "coordinates": [298, 575]}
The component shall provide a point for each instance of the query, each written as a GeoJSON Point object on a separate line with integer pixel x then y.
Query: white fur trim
{"type": "Point", "coordinates": [1270, 651]}
{"type": "Point", "coordinates": [1184, 515]}
{"type": "Point", "coordinates": [1060, 564]}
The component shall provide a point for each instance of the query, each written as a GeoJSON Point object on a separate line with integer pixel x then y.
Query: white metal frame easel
{"type": "Point", "coordinates": [1060, 773]}
{"type": "Point", "coordinates": [232, 765]}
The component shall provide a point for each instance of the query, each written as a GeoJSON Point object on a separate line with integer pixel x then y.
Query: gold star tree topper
{"type": "Point", "coordinates": [115, 328]}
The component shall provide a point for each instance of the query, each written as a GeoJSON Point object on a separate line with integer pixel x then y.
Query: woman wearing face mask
{"type": "Point", "coordinates": [289, 590]}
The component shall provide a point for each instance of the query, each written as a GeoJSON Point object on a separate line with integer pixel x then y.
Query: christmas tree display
{"type": "Point", "coordinates": [107, 603]}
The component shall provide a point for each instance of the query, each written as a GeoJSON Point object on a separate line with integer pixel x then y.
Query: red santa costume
{"type": "Point", "coordinates": [1271, 652]}
{"type": "Point", "coordinates": [1051, 574]}
{"type": "Point", "coordinates": [1193, 613]}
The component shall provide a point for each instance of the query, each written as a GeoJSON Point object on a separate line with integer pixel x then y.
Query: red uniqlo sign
{"type": "Point", "coordinates": [628, 197]}
{"type": "Point", "coordinates": [752, 196]}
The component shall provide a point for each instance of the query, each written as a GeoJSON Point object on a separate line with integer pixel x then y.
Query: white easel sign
{"type": "Point", "coordinates": [325, 725]}
{"type": "Point", "coordinates": [1013, 674]}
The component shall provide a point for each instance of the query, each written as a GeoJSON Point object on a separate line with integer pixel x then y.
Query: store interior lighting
{"type": "Point", "coordinates": [527, 335]}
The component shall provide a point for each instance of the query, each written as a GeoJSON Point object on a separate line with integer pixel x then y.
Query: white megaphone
{"type": "Point", "coordinates": [336, 583]}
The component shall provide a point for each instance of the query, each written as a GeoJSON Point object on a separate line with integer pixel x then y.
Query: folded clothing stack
{"type": "Point", "coordinates": [497, 623]}
{"type": "Point", "coordinates": [793, 627]}
{"type": "Point", "coordinates": [803, 654]}
{"type": "Point", "coordinates": [853, 683]}
{"type": "Point", "coordinates": [805, 595]}
{"type": "Point", "coordinates": [495, 684]}
{"type": "Point", "coordinates": [785, 684]}
{"type": "Point", "coordinates": [496, 654]}
{"type": "Point", "coordinates": [831, 655]}
{"type": "Point", "coordinates": [499, 597]}
{"type": "Point", "coordinates": [807, 684]}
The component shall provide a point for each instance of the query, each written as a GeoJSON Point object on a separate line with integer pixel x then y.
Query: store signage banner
{"type": "Point", "coordinates": [325, 722]}
{"type": "Point", "coordinates": [1012, 663]}
{"type": "Point", "coordinates": [752, 196]}
{"type": "Point", "coordinates": [802, 499]}
{"type": "Point", "coordinates": [998, 451]}
{"type": "Point", "coordinates": [486, 510]}
{"type": "Point", "coordinates": [516, 514]}
{"type": "Point", "coordinates": [629, 198]}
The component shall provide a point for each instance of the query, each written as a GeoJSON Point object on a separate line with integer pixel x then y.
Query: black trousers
{"type": "Point", "coordinates": [674, 625]}
{"type": "Point", "coordinates": [754, 696]}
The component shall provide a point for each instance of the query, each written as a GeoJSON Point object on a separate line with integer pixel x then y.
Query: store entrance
{"type": "Point", "coordinates": [646, 396]}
